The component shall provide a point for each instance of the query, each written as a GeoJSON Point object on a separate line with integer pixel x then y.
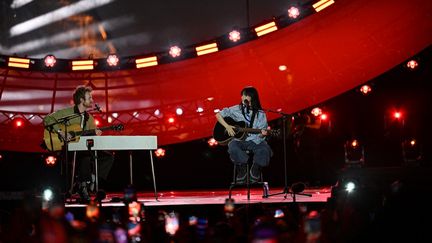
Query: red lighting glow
{"type": "Point", "coordinates": [354, 143]}
{"type": "Point", "coordinates": [412, 64]}
{"type": "Point", "coordinates": [293, 12]}
{"type": "Point", "coordinates": [316, 111]}
{"type": "Point", "coordinates": [212, 142]}
{"type": "Point", "coordinates": [365, 89]}
{"type": "Point", "coordinates": [175, 51]}
{"type": "Point", "coordinates": [50, 160]}
{"type": "Point", "coordinates": [413, 142]}
{"type": "Point", "coordinates": [324, 117]}
{"type": "Point", "coordinates": [397, 115]}
{"type": "Point", "coordinates": [97, 122]}
{"type": "Point", "coordinates": [50, 61]}
{"type": "Point", "coordinates": [160, 152]}
{"type": "Point", "coordinates": [18, 122]}
{"type": "Point", "coordinates": [112, 60]}
{"type": "Point", "coordinates": [171, 120]}
{"type": "Point", "coordinates": [234, 36]}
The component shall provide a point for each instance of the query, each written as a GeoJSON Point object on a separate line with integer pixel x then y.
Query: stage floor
{"type": "Point", "coordinates": [207, 197]}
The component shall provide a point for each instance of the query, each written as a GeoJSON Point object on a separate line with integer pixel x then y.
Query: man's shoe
{"type": "Point", "coordinates": [255, 173]}
{"type": "Point", "coordinates": [241, 173]}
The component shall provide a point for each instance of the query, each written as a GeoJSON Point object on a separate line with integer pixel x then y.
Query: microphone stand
{"type": "Point", "coordinates": [286, 189]}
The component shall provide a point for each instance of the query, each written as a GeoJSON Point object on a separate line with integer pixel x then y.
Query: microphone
{"type": "Point", "coordinates": [97, 107]}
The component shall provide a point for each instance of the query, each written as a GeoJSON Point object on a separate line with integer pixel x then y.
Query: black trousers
{"type": "Point", "coordinates": [85, 165]}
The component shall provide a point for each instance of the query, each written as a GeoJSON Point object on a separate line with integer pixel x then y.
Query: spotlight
{"type": "Point", "coordinates": [175, 51]}
{"type": "Point", "coordinates": [18, 122]}
{"type": "Point", "coordinates": [212, 142]}
{"type": "Point", "coordinates": [171, 120]}
{"type": "Point", "coordinates": [324, 117]}
{"type": "Point", "coordinates": [350, 186]}
{"type": "Point", "coordinates": [316, 111]}
{"type": "Point", "coordinates": [293, 12]}
{"type": "Point", "coordinates": [160, 152]}
{"type": "Point", "coordinates": [48, 194]}
{"type": "Point", "coordinates": [199, 109]}
{"type": "Point", "coordinates": [412, 64]}
{"type": "Point", "coordinates": [397, 115]}
{"type": "Point", "coordinates": [157, 112]}
{"type": "Point", "coordinates": [354, 153]}
{"type": "Point", "coordinates": [50, 61]}
{"type": "Point", "coordinates": [411, 152]}
{"type": "Point", "coordinates": [365, 89]}
{"type": "Point", "coordinates": [282, 68]}
{"type": "Point", "coordinates": [50, 160]}
{"type": "Point", "coordinates": [112, 60]}
{"type": "Point", "coordinates": [234, 36]}
{"type": "Point", "coordinates": [179, 111]}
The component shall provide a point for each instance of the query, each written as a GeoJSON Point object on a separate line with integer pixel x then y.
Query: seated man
{"type": "Point", "coordinates": [85, 122]}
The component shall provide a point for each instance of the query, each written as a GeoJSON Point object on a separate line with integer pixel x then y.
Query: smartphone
{"type": "Point", "coordinates": [171, 223]}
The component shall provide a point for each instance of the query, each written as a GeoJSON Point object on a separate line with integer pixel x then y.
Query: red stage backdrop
{"type": "Point", "coordinates": [326, 54]}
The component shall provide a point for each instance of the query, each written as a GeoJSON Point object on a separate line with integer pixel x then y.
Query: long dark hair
{"type": "Point", "coordinates": [253, 93]}
{"type": "Point", "coordinates": [255, 102]}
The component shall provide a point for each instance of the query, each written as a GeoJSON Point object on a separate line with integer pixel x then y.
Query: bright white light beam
{"type": "Point", "coordinates": [19, 3]}
{"type": "Point", "coordinates": [56, 15]}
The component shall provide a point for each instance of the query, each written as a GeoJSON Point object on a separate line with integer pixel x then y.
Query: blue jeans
{"type": "Point", "coordinates": [261, 152]}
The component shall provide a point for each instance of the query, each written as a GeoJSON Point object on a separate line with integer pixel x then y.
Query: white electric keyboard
{"type": "Point", "coordinates": [95, 143]}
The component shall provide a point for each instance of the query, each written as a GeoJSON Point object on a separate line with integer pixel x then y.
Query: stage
{"type": "Point", "coordinates": [212, 197]}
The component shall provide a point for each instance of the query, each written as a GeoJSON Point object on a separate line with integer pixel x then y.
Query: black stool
{"type": "Point", "coordinates": [247, 183]}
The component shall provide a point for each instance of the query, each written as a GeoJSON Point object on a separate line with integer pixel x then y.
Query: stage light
{"type": "Point", "coordinates": [50, 61]}
{"type": "Point", "coordinates": [350, 186]}
{"type": "Point", "coordinates": [175, 51]}
{"type": "Point", "coordinates": [157, 112]}
{"type": "Point", "coordinates": [293, 12]}
{"type": "Point", "coordinates": [322, 4]}
{"type": "Point", "coordinates": [212, 142]}
{"type": "Point", "coordinates": [50, 160]}
{"type": "Point", "coordinates": [365, 89]}
{"type": "Point", "coordinates": [18, 122]}
{"type": "Point", "coordinates": [412, 64]}
{"type": "Point", "coordinates": [115, 115]}
{"type": "Point", "coordinates": [282, 68]}
{"type": "Point", "coordinates": [112, 60]}
{"type": "Point", "coordinates": [19, 62]}
{"type": "Point", "coordinates": [160, 152]}
{"type": "Point", "coordinates": [199, 109]}
{"type": "Point", "coordinates": [110, 119]}
{"type": "Point", "coordinates": [48, 194]}
{"type": "Point", "coordinates": [411, 152]}
{"type": "Point", "coordinates": [97, 122]}
{"type": "Point", "coordinates": [324, 117]}
{"type": "Point", "coordinates": [171, 120]}
{"type": "Point", "coordinates": [354, 153]}
{"type": "Point", "coordinates": [135, 114]}
{"type": "Point", "coordinates": [216, 110]}
{"type": "Point", "coordinates": [146, 62]}
{"type": "Point", "coordinates": [206, 49]}
{"type": "Point", "coordinates": [316, 111]}
{"type": "Point", "coordinates": [266, 28]}
{"type": "Point", "coordinates": [82, 65]}
{"type": "Point", "coordinates": [234, 36]}
{"type": "Point", "coordinates": [179, 111]}
{"type": "Point", "coordinates": [397, 115]}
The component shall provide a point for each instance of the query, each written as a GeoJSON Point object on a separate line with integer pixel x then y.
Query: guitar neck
{"type": "Point", "coordinates": [91, 131]}
{"type": "Point", "coordinates": [250, 130]}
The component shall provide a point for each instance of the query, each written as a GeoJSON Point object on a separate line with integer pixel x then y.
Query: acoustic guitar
{"type": "Point", "coordinates": [54, 141]}
{"type": "Point", "coordinates": [221, 135]}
